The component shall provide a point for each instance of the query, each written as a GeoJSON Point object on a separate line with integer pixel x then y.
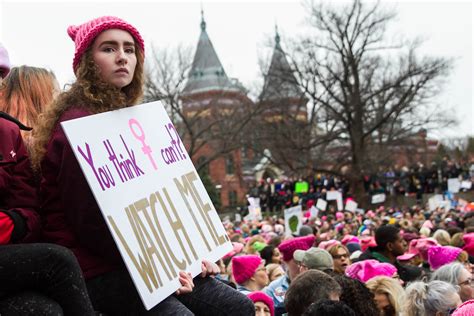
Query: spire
{"type": "Point", "coordinates": [206, 72]}
{"type": "Point", "coordinates": [203, 22]}
{"type": "Point", "coordinates": [280, 81]}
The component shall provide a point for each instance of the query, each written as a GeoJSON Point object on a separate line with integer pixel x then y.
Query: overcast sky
{"type": "Point", "coordinates": [34, 32]}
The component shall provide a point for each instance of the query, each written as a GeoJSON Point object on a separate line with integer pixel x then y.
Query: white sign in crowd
{"type": "Point", "coordinates": [150, 195]}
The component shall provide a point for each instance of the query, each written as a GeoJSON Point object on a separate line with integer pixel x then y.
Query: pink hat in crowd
{"type": "Point", "coordinates": [4, 62]}
{"type": "Point", "coordinates": [237, 247]}
{"type": "Point", "coordinates": [328, 244]}
{"type": "Point", "coordinates": [421, 246]}
{"type": "Point", "coordinates": [370, 214]}
{"type": "Point", "coordinates": [288, 247]}
{"type": "Point", "coordinates": [406, 256]}
{"type": "Point", "coordinates": [244, 267]}
{"type": "Point", "coordinates": [259, 296]}
{"type": "Point", "coordinates": [339, 215]}
{"type": "Point", "coordinates": [440, 255]}
{"type": "Point", "coordinates": [83, 35]}
{"type": "Point", "coordinates": [468, 243]}
{"type": "Point", "coordinates": [366, 242]}
{"type": "Point", "coordinates": [349, 238]}
{"type": "Point", "coordinates": [428, 224]}
{"type": "Point", "coordinates": [368, 269]}
{"type": "Point", "coordinates": [465, 309]}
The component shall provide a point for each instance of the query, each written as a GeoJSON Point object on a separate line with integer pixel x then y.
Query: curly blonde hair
{"type": "Point", "coordinates": [89, 92]}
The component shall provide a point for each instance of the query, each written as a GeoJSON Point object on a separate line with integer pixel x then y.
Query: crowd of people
{"type": "Point", "coordinates": [57, 256]}
{"type": "Point", "coordinates": [276, 195]}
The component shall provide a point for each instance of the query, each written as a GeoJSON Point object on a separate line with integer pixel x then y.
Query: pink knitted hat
{"type": "Point", "coordinates": [259, 296]}
{"type": "Point", "coordinates": [84, 34]}
{"type": "Point", "coordinates": [4, 61]}
{"type": "Point", "coordinates": [366, 242]}
{"type": "Point", "coordinates": [288, 247]}
{"type": "Point", "coordinates": [465, 309]}
{"type": "Point", "coordinates": [468, 243]}
{"type": "Point", "coordinates": [421, 246]}
{"type": "Point", "coordinates": [328, 244]}
{"type": "Point", "coordinates": [244, 267]}
{"type": "Point", "coordinates": [440, 255]}
{"type": "Point", "coordinates": [349, 238]}
{"type": "Point", "coordinates": [237, 247]}
{"type": "Point", "coordinates": [368, 269]}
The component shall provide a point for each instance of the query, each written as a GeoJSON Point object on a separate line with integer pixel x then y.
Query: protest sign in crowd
{"type": "Point", "coordinates": [100, 214]}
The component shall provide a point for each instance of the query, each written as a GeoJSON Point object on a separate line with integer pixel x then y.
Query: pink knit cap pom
{"type": "Point", "coordinates": [368, 269]}
{"type": "Point", "coordinates": [244, 267]}
{"type": "Point", "coordinates": [83, 35]}
{"type": "Point", "coordinates": [4, 61]}
{"type": "Point", "coordinates": [465, 309]}
{"type": "Point", "coordinates": [259, 296]}
{"type": "Point", "coordinates": [288, 247]}
{"type": "Point", "coordinates": [440, 255]}
{"type": "Point", "coordinates": [421, 246]}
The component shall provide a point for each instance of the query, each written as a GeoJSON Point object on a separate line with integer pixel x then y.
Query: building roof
{"type": "Point", "coordinates": [280, 81]}
{"type": "Point", "coordinates": [207, 73]}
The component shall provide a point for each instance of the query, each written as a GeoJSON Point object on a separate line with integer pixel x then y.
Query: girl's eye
{"type": "Point", "coordinates": [130, 50]}
{"type": "Point", "coordinates": [108, 49]}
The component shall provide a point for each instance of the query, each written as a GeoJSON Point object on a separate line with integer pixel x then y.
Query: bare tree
{"type": "Point", "coordinates": [366, 95]}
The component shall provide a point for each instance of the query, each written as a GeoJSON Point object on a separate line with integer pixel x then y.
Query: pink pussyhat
{"type": "Point", "coordinates": [237, 248]}
{"type": "Point", "coordinates": [421, 246]}
{"type": "Point", "coordinates": [339, 215]}
{"type": "Point", "coordinates": [4, 62]}
{"type": "Point", "coordinates": [370, 214]}
{"type": "Point", "coordinates": [83, 35]}
{"type": "Point", "coordinates": [259, 296]}
{"type": "Point", "coordinates": [288, 247]}
{"type": "Point", "coordinates": [366, 242]}
{"type": "Point", "coordinates": [440, 255]}
{"type": "Point", "coordinates": [328, 244]}
{"type": "Point", "coordinates": [349, 238]}
{"type": "Point", "coordinates": [368, 269]}
{"type": "Point", "coordinates": [465, 309]}
{"type": "Point", "coordinates": [468, 243]}
{"type": "Point", "coordinates": [244, 267]}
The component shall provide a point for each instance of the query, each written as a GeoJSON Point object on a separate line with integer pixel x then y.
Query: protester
{"type": "Point", "coordinates": [356, 295]}
{"type": "Point", "coordinates": [277, 289]}
{"type": "Point", "coordinates": [36, 278]}
{"type": "Point", "coordinates": [432, 298]}
{"type": "Point", "coordinates": [456, 274]}
{"type": "Point", "coordinates": [390, 245]}
{"type": "Point", "coordinates": [263, 304]}
{"type": "Point", "coordinates": [329, 308]}
{"type": "Point", "coordinates": [25, 94]}
{"type": "Point", "coordinates": [310, 287]}
{"type": "Point", "coordinates": [368, 269]}
{"type": "Point", "coordinates": [314, 258]}
{"type": "Point", "coordinates": [271, 254]}
{"type": "Point", "coordinates": [108, 64]}
{"type": "Point", "coordinates": [465, 309]}
{"type": "Point", "coordinates": [388, 295]}
{"type": "Point", "coordinates": [441, 255]}
{"type": "Point", "coordinates": [249, 273]}
{"type": "Point", "coordinates": [274, 271]}
{"type": "Point", "coordinates": [340, 256]}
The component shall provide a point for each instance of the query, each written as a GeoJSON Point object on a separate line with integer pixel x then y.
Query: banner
{"type": "Point", "coordinates": [351, 206]}
{"type": "Point", "coordinates": [293, 219]}
{"type": "Point", "coordinates": [301, 187]}
{"type": "Point", "coordinates": [150, 195]}
{"type": "Point", "coordinates": [435, 202]}
{"type": "Point", "coordinates": [454, 185]}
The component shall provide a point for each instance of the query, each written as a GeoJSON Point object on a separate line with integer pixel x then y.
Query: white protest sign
{"type": "Point", "coordinates": [435, 201]}
{"type": "Point", "coordinates": [466, 185]}
{"type": "Point", "coordinates": [314, 211]}
{"type": "Point", "coordinates": [351, 206]}
{"type": "Point", "coordinates": [454, 185]}
{"type": "Point", "coordinates": [293, 220]}
{"type": "Point", "coordinates": [321, 204]}
{"type": "Point", "coordinates": [337, 196]}
{"type": "Point", "coordinates": [254, 201]}
{"type": "Point", "coordinates": [255, 213]}
{"type": "Point", "coordinates": [150, 195]}
{"type": "Point", "coordinates": [378, 198]}
{"type": "Point", "coordinates": [238, 217]}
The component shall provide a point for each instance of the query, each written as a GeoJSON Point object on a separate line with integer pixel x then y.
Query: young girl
{"type": "Point", "coordinates": [108, 64]}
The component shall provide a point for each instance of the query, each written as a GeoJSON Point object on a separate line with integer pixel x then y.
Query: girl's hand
{"type": "Point", "coordinates": [209, 268]}
{"type": "Point", "coordinates": [187, 283]}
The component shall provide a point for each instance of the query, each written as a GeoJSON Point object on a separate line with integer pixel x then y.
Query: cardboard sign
{"type": "Point", "coordinates": [351, 206]}
{"type": "Point", "coordinates": [150, 195]}
{"type": "Point", "coordinates": [293, 220]}
{"type": "Point", "coordinates": [337, 196]}
{"type": "Point", "coordinates": [435, 202]}
{"type": "Point", "coordinates": [314, 211]}
{"type": "Point", "coordinates": [301, 187]}
{"type": "Point", "coordinates": [321, 204]}
{"type": "Point", "coordinates": [466, 185]}
{"type": "Point", "coordinates": [454, 185]}
{"type": "Point", "coordinates": [378, 198]}
{"type": "Point", "coordinates": [253, 201]}
{"type": "Point", "coordinates": [255, 213]}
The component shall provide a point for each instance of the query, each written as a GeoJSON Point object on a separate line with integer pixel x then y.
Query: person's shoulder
{"type": "Point", "coordinates": [278, 282]}
{"type": "Point", "coordinates": [9, 123]}
{"type": "Point", "coordinates": [74, 112]}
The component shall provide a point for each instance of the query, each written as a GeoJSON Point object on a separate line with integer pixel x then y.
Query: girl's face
{"type": "Point", "coordinates": [113, 52]}
{"type": "Point", "coordinates": [261, 309]}
{"type": "Point", "coordinates": [276, 256]}
{"type": "Point", "coordinates": [381, 300]}
{"type": "Point", "coordinates": [341, 261]}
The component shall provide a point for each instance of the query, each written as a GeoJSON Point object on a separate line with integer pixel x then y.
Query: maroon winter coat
{"type": "Point", "coordinates": [71, 216]}
{"type": "Point", "coordinates": [18, 198]}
